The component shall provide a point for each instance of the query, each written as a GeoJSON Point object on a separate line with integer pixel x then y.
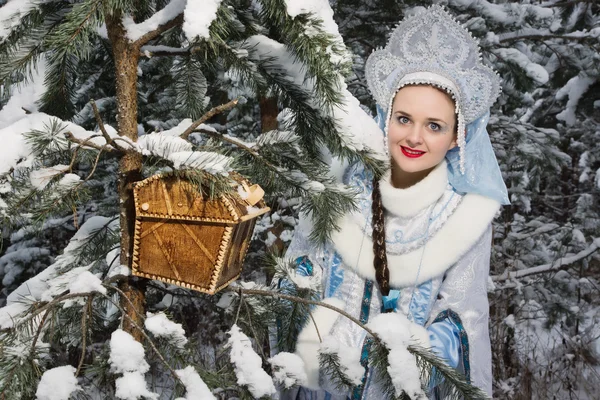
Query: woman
{"type": "Point", "coordinates": [420, 241]}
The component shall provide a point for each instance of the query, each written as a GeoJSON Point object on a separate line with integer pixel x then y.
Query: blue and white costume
{"type": "Point", "coordinates": [438, 256]}
{"type": "Point", "coordinates": [438, 232]}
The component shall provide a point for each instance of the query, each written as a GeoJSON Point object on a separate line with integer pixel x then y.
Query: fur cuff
{"type": "Point", "coordinates": [308, 344]}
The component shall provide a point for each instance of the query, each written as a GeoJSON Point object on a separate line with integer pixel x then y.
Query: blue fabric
{"type": "Point", "coordinates": [390, 302]}
{"type": "Point", "coordinates": [482, 172]}
{"type": "Point", "coordinates": [445, 341]}
{"type": "Point", "coordinates": [420, 302]}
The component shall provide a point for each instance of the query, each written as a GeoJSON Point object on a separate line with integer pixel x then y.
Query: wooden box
{"type": "Point", "coordinates": [186, 239]}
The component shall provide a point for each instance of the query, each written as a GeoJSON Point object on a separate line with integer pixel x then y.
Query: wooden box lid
{"type": "Point", "coordinates": [166, 196]}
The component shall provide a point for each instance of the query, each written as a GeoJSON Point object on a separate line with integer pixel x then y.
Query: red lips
{"type": "Point", "coordinates": [411, 153]}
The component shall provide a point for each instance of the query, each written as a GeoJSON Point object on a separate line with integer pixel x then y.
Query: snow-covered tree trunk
{"type": "Point", "coordinates": [126, 55]}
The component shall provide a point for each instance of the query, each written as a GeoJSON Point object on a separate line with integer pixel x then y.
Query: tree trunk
{"type": "Point", "coordinates": [268, 113]}
{"type": "Point", "coordinates": [130, 165]}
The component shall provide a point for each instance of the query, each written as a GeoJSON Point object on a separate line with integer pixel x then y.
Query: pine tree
{"type": "Point", "coordinates": [82, 83]}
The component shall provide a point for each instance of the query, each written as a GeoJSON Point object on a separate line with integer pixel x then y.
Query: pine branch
{"type": "Point", "coordinates": [211, 113]}
{"type": "Point", "coordinates": [178, 20]}
{"type": "Point", "coordinates": [332, 367]}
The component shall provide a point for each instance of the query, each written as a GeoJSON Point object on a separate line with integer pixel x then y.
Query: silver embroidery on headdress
{"type": "Point", "coordinates": [431, 47]}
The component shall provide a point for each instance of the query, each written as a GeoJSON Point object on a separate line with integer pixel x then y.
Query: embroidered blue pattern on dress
{"type": "Point", "coordinates": [336, 275]}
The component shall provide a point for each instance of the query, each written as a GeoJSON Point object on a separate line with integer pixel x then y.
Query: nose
{"type": "Point", "coordinates": [415, 137]}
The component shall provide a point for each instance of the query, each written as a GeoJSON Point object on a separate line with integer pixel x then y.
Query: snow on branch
{"type": "Point", "coordinates": [198, 16]}
{"type": "Point", "coordinates": [57, 384]}
{"type": "Point", "coordinates": [551, 267]}
{"type": "Point", "coordinates": [11, 14]}
{"type": "Point", "coordinates": [194, 385]}
{"type": "Point", "coordinates": [127, 357]}
{"type": "Point", "coordinates": [248, 365]}
{"type": "Point", "coordinates": [288, 369]}
{"type": "Point", "coordinates": [533, 70]}
{"type": "Point", "coordinates": [161, 326]}
{"type": "Point", "coordinates": [394, 331]}
{"type": "Point", "coordinates": [574, 90]}
{"type": "Point", "coordinates": [168, 17]}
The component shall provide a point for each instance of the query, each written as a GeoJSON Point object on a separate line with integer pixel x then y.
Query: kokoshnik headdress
{"type": "Point", "coordinates": [432, 48]}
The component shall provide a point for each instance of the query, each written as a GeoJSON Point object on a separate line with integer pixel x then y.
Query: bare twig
{"type": "Point", "coordinates": [174, 52]}
{"type": "Point", "coordinates": [142, 317]}
{"type": "Point", "coordinates": [105, 134]}
{"type": "Point", "coordinates": [38, 332]}
{"type": "Point", "coordinates": [87, 142]}
{"type": "Point", "coordinates": [315, 324]}
{"type": "Point", "coordinates": [545, 37]}
{"type": "Point", "coordinates": [562, 263]}
{"type": "Point", "coordinates": [178, 20]}
{"type": "Point", "coordinates": [84, 317]}
{"type": "Point", "coordinates": [211, 113]}
{"type": "Point", "coordinates": [568, 3]}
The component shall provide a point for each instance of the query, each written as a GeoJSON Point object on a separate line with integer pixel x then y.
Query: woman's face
{"type": "Point", "coordinates": [420, 132]}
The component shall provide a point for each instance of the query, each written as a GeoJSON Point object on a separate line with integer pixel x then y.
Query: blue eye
{"type": "Point", "coordinates": [403, 120]}
{"type": "Point", "coordinates": [434, 127]}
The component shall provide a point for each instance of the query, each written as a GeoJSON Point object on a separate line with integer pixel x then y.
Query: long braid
{"type": "Point", "coordinates": [380, 262]}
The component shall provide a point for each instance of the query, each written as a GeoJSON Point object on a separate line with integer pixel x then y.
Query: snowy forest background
{"type": "Point", "coordinates": [61, 195]}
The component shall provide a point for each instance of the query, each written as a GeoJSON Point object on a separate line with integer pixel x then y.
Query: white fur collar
{"type": "Point", "coordinates": [408, 202]}
{"type": "Point", "coordinates": [460, 232]}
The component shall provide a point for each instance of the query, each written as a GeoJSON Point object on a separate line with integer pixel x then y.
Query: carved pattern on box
{"type": "Point", "coordinates": [186, 239]}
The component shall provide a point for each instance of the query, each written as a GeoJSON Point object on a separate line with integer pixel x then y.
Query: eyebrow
{"type": "Point", "coordinates": [429, 119]}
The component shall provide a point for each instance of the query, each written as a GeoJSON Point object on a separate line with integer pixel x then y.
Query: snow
{"type": "Point", "coordinates": [322, 10]}
{"type": "Point", "coordinates": [574, 90]}
{"type": "Point", "coordinates": [50, 282]}
{"type": "Point", "coordinates": [168, 13]}
{"type": "Point", "coordinates": [198, 16]}
{"type": "Point", "coordinates": [210, 162]}
{"type": "Point", "coordinates": [194, 385]}
{"type": "Point", "coordinates": [510, 321]}
{"type": "Point", "coordinates": [242, 192]}
{"type": "Point", "coordinates": [349, 358]}
{"type": "Point", "coordinates": [127, 358]}
{"type": "Point", "coordinates": [533, 70]}
{"type": "Point", "coordinates": [69, 181]}
{"type": "Point", "coordinates": [57, 384]}
{"type": "Point", "coordinates": [161, 326]}
{"type": "Point", "coordinates": [86, 282]}
{"type": "Point", "coordinates": [41, 177]}
{"type": "Point", "coordinates": [11, 14]}
{"type": "Point", "coordinates": [248, 365]}
{"type": "Point", "coordinates": [25, 95]}
{"type": "Point", "coordinates": [288, 369]}
{"type": "Point", "coordinates": [394, 331]}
